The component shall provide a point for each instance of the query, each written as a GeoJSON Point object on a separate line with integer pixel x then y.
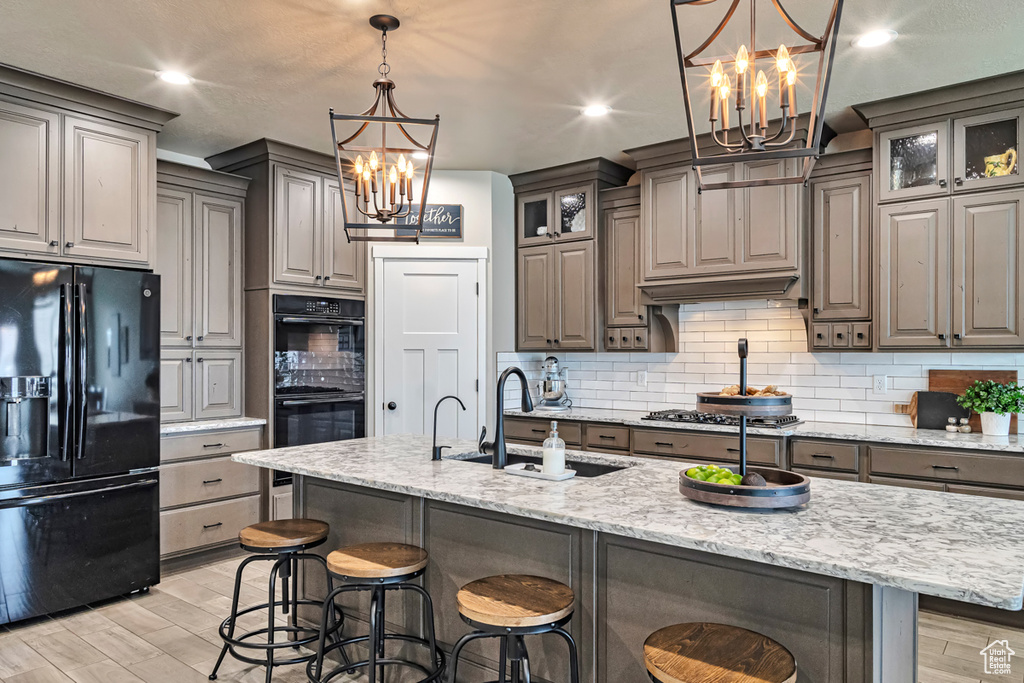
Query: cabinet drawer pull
{"type": "Point", "coordinates": [733, 450]}
{"type": "Point", "coordinates": [823, 456]}
{"type": "Point", "coordinates": [213, 481]}
{"type": "Point", "coordinates": [664, 443]}
{"type": "Point", "coordinates": [213, 445]}
{"type": "Point", "coordinates": [639, 338]}
{"type": "Point", "coordinates": [605, 436]}
{"type": "Point", "coordinates": [945, 467]}
{"type": "Point", "coordinates": [213, 526]}
{"type": "Point", "coordinates": [537, 431]}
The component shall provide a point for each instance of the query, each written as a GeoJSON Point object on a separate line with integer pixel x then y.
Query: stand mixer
{"type": "Point", "coordinates": [552, 388]}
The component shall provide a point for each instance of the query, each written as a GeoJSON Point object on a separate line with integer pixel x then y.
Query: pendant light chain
{"type": "Point", "coordinates": [384, 69]}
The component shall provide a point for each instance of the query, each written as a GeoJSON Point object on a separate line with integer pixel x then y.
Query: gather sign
{"type": "Point", "coordinates": [439, 220]}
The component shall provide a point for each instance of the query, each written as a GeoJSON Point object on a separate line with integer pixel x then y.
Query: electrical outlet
{"type": "Point", "coordinates": [881, 384]}
{"type": "Point", "coordinates": [641, 378]}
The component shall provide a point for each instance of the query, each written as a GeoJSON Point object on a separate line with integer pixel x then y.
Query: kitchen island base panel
{"type": "Point", "coordinates": [626, 588]}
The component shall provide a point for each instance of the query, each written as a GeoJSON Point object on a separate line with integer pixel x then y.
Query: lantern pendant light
{"type": "Point", "coordinates": [752, 95]}
{"type": "Point", "coordinates": [384, 192]}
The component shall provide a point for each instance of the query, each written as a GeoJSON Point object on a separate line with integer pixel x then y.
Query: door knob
{"type": "Point", "coordinates": [640, 316]}
{"type": "Point", "coordinates": [957, 336]}
{"type": "Point", "coordinates": [69, 245]}
{"type": "Point", "coordinates": [942, 337]}
{"type": "Point", "coordinates": [188, 338]}
{"type": "Point", "coordinates": [54, 243]}
{"type": "Point", "coordinates": [326, 278]}
{"type": "Point", "coordinates": [556, 341]}
{"type": "Point", "coordinates": [392, 405]}
{"type": "Point", "coordinates": [199, 338]}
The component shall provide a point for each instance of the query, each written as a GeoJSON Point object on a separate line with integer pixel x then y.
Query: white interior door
{"type": "Point", "coordinates": [431, 346]}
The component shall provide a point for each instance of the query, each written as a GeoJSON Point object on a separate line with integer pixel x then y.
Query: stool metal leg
{"type": "Point", "coordinates": [429, 610]}
{"type": "Point", "coordinates": [574, 666]}
{"type": "Point", "coordinates": [234, 610]}
{"type": "Point", "coordinates": [502, 659]}
{"type": "Point", "coordinates": [380, 629]}
{"type": "Point", "coordinates": [271, 616]}
{"type": "Point", "coordinates": [463, 641]}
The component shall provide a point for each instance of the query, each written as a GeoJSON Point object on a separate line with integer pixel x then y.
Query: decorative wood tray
{"type": "Point", "coordinates": [748, 406]}
{"type": "Point", "coordinates": [784, 490]}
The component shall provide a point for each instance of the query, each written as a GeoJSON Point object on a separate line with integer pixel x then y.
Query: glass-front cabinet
{"type": "Point", "coordinates": [985, 150]}
{"type": "Point", "coordinates": [915, 162]}
{"type": "Point", "coordinates": [556, 215]}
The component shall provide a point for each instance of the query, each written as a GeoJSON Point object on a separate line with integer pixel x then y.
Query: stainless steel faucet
{"type": "Point", "coordinates": [435, 452]}
{"type": "Point", "coordinates": [496, 449]}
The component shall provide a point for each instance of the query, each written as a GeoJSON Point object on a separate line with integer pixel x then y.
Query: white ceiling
{"type": "Point", "coordinates": [508, 77]}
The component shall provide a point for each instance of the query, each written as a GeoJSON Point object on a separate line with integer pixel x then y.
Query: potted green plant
{"type": "Point", "coordinates": [995, 402]}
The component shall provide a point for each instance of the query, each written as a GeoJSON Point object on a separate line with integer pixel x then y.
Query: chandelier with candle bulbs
{"type": "Point", "coordinates": [385, 193]}
{"type": "Point", "coordinates": [766, 123]}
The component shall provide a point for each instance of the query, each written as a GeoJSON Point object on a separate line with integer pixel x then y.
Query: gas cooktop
{"type": "Point", "coordinates": [778, 422]}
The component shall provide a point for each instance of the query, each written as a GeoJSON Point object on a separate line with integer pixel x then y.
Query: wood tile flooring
{"type": "Point", "coordinates": [170, 636]}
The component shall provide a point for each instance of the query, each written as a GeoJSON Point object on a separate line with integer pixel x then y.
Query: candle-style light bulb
{"type": "Point", "coordinates": [717, 74]}
{"type": "Point", "coordinates": [724, 93]}
{"type": "Point", "coordinates": [366, 183]}
{"type": "Point", "coordinates": [761, 85]}
{"type": "Point", "coordinates": [409, 170]}
{"type": "Point", "coordinates": [761, 88]}
{"type": "Point", "coordinates": [393, 178]}
{"type": "Point", "coordinates": [373, 161]}
{"type": "Point", "coordinates": [791, 87]}
{"type": "Point", "coordinates": [401, 163]}
{"type": "Point", "coordinates": [742, 60]}
{"type": "Point", "coordinates": [359, 165]}
{"type": "Point", "coordinates": [782, 60]}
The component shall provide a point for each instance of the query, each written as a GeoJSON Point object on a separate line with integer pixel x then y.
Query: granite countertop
{"type": "Point", "coordinates": [966, 548]}
{"type": "Point", "coordinates": [907, 436]}
{"type": "Point", "coordinates": [211, 425]}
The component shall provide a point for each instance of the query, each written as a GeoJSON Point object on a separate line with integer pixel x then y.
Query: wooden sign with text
{"type": "Point", "coordinates": [439, 220]}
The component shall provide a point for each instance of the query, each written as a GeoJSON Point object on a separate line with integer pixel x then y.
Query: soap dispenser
{"type": "Point", "coordinates": [554, 452]}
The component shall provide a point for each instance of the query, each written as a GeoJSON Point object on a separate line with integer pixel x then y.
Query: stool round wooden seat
{"type": "Point", "coordinates": [698, 652]}
{"type": "Point", "coordinates": [377, 560]}
{"type": "Point", "coordinates": [515, 600]}
{"type": "Point", "coordinates": [510, 607]}
{"type": "Point", "coordinates": [283, 533]}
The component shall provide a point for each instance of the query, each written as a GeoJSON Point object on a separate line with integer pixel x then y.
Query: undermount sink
{"type": "Point", "coordinates": [583, 469]}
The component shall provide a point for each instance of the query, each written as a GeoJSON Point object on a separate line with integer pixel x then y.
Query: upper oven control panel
{"type": "Point", "coordinates": [291, 304]}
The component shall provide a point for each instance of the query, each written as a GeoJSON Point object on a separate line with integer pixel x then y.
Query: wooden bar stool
{"type": "Point", "coordinates": [509, 607]}
{"type": "Point", "coordinates": [284, 543]}
{"type": "Point", "coordinates": [378, 568]}
{"type": "Point", "coordinates": [702, 652]}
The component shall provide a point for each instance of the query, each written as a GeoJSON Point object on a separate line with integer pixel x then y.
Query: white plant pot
{"type": "Point", "coordinates": [995, 424]}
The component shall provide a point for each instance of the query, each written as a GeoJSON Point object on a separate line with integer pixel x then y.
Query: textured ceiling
{"type": "Point", "coordinates": [507, 77]}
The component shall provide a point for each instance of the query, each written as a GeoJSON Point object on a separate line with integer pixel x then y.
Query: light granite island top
{"type": "Point", "coordinates": [904, 436]}
{"type": "Point", "coordinates": [953, 546]}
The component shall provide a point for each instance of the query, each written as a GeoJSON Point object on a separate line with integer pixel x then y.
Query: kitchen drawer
{"type": "Point", "coordinates": [821, 336]}
{"type": "Point", "coordinates": [982, 468]}
{"type": "Point", "coordinates": [611, 339]}
{"type": "Point", "coordinates": [204, 525]}
{"type": "Point", "coordinates": [222, 442]}
{"type": "Point", "coordinates": [186, 483]}
{"type": "Point", "coordinates": [527, 429]}
{"type": "Point", "coordinates": [625, 335]}
{"type": "Point", "coordinates": [825, 474]}
{"type": "Point", "coordinates": [607, 436]}
{"type": "Point", "coordinates": [707, 447]}
{"type": "Point", "coordinates": [861, 335]}
{"type": "Point", "coordinates": [908, 483]}
{"type": "Point", "coordinates": [640, 340]}
{"type": "Point", "coordinates": [985, 491]}
{"type": "Point", "coordinates": [824, 455]}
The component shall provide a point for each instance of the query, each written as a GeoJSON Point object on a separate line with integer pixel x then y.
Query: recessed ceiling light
{"type": "Point", "coordinates": [420, 155]}
{"type": "Point", "coordinates": [876, 38]}
{"type": "Point", "coordinates": [596, 110]}
{"type": "Point", "coordinates": [175, 77]}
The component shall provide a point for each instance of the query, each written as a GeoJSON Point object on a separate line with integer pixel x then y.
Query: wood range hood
{"type": "Point", "coordinates": [725, 287]}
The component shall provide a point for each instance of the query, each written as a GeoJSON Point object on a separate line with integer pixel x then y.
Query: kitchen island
{"type": "Point", "coordinates": [835, 581]}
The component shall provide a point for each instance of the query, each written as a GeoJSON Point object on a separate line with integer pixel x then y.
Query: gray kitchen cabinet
{"type": "Point", "coordinates": [621, 249]}
{"type": "Point", "coordinates": [29, 179]}
{"type": "Point", "coordinates": [841, 235]}
{"type": "Point", "coordinates": [344, 261]}
{"type": "Point", "coordinates": [295, 239]}
{"type": "Point", "coordinates": [914, 275]}
{"type": "Point", "coordinates": [913, 161]}
{"type": "Point", "coordinates": [536, 288]}
{"type": "Point", "coordinates": [985, 149]}
{"type": "Point", "coordinates": [988, 282]}
{"type": "Point", "coordinates": [769, 229]}
{"type": "Point", "coordinates": [667, 220]}
{"type": "Point", "coordinates": [176, 385]}
{"type": "Point", "coordinates": [575, 300]}
{"type": "Point", "coordinates": [562, 214]}
{"type": "Point", "coordinates": [173, 263]}
{"type": "Point", "coordinates": [716, 226]}
{"type": "Point", "coordinates": [298, 231]}
{"type": "Point", "coordinates": [108, 191]}
{"type": "Point", "coordinates": [218, 384]}
{"type": "Point", "coordinates": [535, 218]}
{"type": "Point", "coordinates": [218, 271]}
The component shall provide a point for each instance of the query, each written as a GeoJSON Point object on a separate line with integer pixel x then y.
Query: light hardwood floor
{"type": "Point", "coordinates": [170, 636]}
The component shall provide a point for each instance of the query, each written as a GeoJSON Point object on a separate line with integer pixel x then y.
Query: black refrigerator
{"type": "Point", "coordinates": [79, 435]}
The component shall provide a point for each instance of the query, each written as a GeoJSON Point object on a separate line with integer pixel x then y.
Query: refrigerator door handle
{"type": "Point", "coordinates": [83, 348]}
{"type": "Point", "coordinates": [68, 368]}
{"type": "Point", "coordinates": [25, 501]}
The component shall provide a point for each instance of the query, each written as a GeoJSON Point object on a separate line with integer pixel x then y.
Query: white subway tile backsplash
{"type": "Point", "coordinates": [830, 386]}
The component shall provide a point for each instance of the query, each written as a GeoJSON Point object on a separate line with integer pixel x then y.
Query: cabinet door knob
{"type": "Point", "coordinates": [199, 338]}
{"type": "Point", "coordinates": [188, 338]}
{"type": "Point", "coordinates": [860, 335]}
{"type": "Point", "coordinates": [957, 336]}
{"type": "Point", "coordinates": [69, 245]}
{"type": "Point", "coordinates": [839, 335]}
{"type": "Point", "coordinates": [639, 338]}
{"type": "Point", "coordinates": [556, 341]}
{"type": "Point", "coordinates": [200, 360]}
{"type": "Point", "coordinates": [548, 341]}
{"type": "Point", "coordinates": [942, 182]}
{"type": "Point", "coordinates": [640, 316]}
{"type": "Point", "coordinates": [625, 339]}
{"type": "Point", "coordinates": [958, 181]}
{"type": "Point", "coordinates": [942, 337]}
{"type": "Point", "coordinates": [319, 278]}
{"type": "Point", "coordinates": [820, 336]}
{"type": "Point", "coordinates": [326, 278]}
{"type": "Point", "coordinates": [188, 360]}
{"type": "Point", "coordinates": [817, 310]}
{"type": "Point", "coordinates": [611, 338]}
{"type": "Point", "coordinates": [54, 243]}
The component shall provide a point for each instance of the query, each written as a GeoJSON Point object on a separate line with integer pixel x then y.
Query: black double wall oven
{"type": "Point", "coordinates": [319, 371]}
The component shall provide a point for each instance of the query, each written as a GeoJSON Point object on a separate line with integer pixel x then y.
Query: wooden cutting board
{"type": "Point", "coordinates": [956, 381]}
